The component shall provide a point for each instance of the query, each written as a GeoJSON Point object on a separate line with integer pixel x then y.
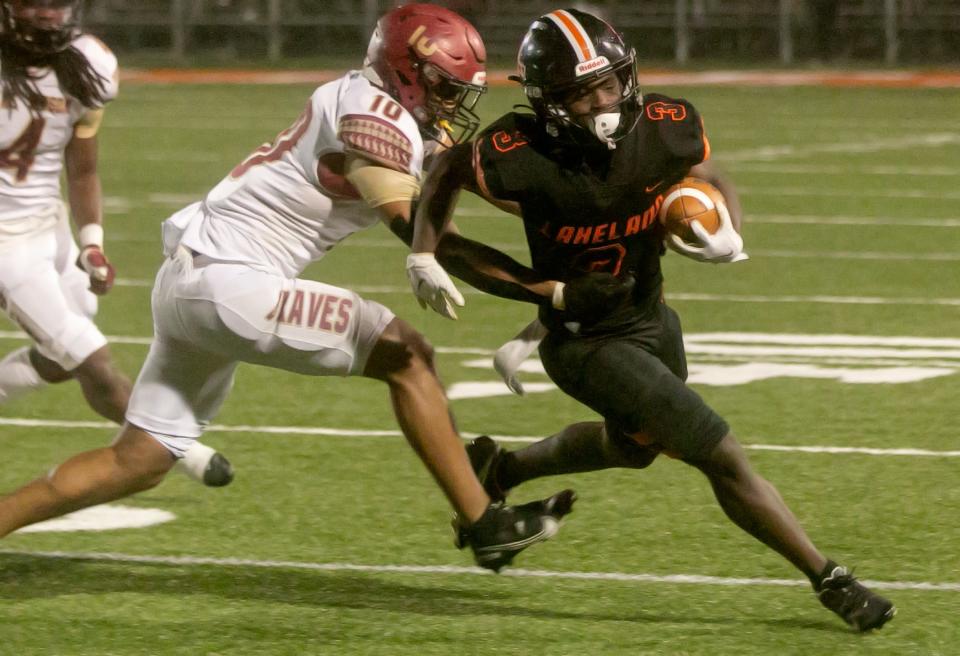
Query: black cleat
{"type": "Point", "coordinates": [484, 456]}
{"type": "Point", "coordinates": [504, 531]}
{"type": "Point", "coordinates": [218, 472]}
{"type": "Point", "coordinates": [859, 607]}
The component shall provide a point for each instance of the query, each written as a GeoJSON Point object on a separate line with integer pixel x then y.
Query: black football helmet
{"type": "Point", "coordinates": [568, 49]}
{"type": "Point", "coordinates": [40, 27]}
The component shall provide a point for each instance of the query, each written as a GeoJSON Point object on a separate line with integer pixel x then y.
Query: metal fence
{"type": "Point", "coordinates": [890, 31]}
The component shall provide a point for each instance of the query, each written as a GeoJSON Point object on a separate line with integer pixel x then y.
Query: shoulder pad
{"type": "Point", "coordinates": [508, 128]}
{"type": "Point", "coordinates": [103, 61]}
{"type": "Point", "coordinates": [678, 126]}
{"type": "Point", "coordinates": [375, 126]}
{"type": "Point", "coordinates": [502, 156]}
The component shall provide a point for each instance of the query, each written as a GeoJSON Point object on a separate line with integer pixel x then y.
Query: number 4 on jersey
{"type": "Point", "coordinates": [21, 153]}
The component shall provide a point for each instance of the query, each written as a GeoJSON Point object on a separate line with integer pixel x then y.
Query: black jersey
{"type": "Point", "coordinates": [593, 209]}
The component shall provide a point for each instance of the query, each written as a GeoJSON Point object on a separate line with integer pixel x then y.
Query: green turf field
{"type": "Point", "coordinates": [338, 544]}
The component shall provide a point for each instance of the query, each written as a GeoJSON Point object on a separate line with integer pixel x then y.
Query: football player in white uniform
{"type": "Point", "coordinates": [56, 82]}
{"type": "Point", "coordinates": [228, 291]}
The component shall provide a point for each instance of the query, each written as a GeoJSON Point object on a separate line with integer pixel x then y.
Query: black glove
{"type": "Point", "coordinates": [592, 296]}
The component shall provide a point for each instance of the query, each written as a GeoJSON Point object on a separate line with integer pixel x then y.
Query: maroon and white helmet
{"type": "Point", "coordinates": [41, 27]}
{"type": "Point", "coordinates": [431, 61]}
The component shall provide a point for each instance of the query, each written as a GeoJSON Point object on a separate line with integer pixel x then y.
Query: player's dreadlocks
{"type": "Point", "coordinates": [76, 76]}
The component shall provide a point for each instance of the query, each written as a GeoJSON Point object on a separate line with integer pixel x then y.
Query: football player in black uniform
{"type": "Point", "coordinates": [586, 171]}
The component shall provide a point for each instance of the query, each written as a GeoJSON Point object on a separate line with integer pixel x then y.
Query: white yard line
{"type": "Point", "coordinates": [812, 255]}
{"type": "Point", "coordinates": [822, 340]}
{"type": "Point", "coordinates": [451, 570]}
{"type": "Point", "coordinates": [820, 192]}
{"type": "Point", "coordinates": [767, 153]}
{"type": "Point", "coordinates": [671, 296]}
{"type": "Point", "coordinates": [697, 340]}
{"type": "Point", "coordinates": [819, 299]}
{"type": "Point", "coordinates": [827, 169]}
{"type": "Point", "coordinates": [806, 219]}
{"type": "Point", "coordinates": [124, 205]}
{"type": "Point", "coordinates": [394, 433]}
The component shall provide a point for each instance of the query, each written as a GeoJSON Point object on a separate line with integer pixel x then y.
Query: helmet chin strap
{"type": "Point", "coordinates": [604, 125]}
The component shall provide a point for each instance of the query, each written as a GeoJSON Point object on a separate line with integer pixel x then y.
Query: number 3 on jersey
{"type": "Point", "coordinates": [284, 143]}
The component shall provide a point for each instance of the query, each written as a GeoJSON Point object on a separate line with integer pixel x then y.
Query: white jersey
{"type": "Point", "coordinates": [288, 203]}
{"type": "Point", "coordinates": [31, 146]}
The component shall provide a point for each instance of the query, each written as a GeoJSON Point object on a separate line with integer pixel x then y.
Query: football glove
{"type": "Point", "coordinates": [96, 265]}
{"type": "Point", "coordinates": [431, 284]}
{"type": "Point", "coordinates": [725, 245]}
{"type": "Point", "coordinates": [504, 531]}
{"type": "Point", "coordinates": [510, 356]}
{"type": "Point", "coordinates": [592, 296]}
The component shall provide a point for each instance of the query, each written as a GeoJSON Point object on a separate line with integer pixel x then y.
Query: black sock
{"type": "Point", "coordinates": [817, 580]}
{"type": "Point", "coordinates": [577, 448]}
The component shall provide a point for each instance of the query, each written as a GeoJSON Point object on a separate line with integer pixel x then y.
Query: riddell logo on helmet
{"type": "Point", "coordinates": [422, 43]}
{"type": "Point", "coordinates": [592, 65]}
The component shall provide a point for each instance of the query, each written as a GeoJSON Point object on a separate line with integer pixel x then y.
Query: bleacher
{"type": "Point", "coordinates": [895, 31]}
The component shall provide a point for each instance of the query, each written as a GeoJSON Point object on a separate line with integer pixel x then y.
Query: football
{"type": "Point", "coordinates": [691, 199]}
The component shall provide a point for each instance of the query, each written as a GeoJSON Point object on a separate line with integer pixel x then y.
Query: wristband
{"type": "Point", "coordinates": [91, 234]}
{"type": "Point", "coordinates": [557, 300]}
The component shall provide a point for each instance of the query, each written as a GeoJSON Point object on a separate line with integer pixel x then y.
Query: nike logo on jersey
{"type": "Point", "coordinates": [652, 187]}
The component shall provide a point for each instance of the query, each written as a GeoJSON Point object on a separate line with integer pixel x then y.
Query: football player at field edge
{"type": "Point", "coordinates": [56, 81]}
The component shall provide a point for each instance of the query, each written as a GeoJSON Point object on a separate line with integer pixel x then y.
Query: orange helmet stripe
{"type": "Point", "coordinates": [575, 34]}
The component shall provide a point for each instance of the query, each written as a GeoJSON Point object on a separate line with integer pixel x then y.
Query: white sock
{"type": "Point", "coordinates": [17, 375]}
{"type": "Point", "coordinates": [194, 461]}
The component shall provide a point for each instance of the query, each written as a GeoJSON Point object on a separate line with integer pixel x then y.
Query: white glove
{"type": "Point", "coordinates": [725, 245]}
{"type": "Point", "coordinates": [510, 356]}
{"type": "Point", "coordinates": [431, 284]}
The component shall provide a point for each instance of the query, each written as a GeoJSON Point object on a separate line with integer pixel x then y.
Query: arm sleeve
{"type": "Point", "coordinates": [379, 185]}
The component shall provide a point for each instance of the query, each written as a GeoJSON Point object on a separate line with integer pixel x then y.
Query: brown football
{"type": "Point", "coordinates": [691, 199]}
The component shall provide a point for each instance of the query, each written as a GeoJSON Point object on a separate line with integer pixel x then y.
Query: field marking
{"type": "Point", "coordinates": [101, 518]}
{"type": "Point", "coordinates": [812, 255]}
{"type": "Point", "coordinates": [824, 339]}
{"type": "Point", "coordinates": [768, 153]}
{"type": "Point", "coordinates": [822, 169]}
{"type": "Point", "coordinates": [820, 192]}
{"type": "Point", "coordinates": [807, 219]}
{"type": "Point", "coordinates": [818, 299]}
{"type": "Point", "coordinates": [696, 297]}
{"type": "Point", "coordinates": [694, 341]}
{"type": "Point", "coordinates": [124, 205]}
{"type": "Point", "coordinates": [453, 570]}
{"type": "Point", "coordinates": [319, 431]}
